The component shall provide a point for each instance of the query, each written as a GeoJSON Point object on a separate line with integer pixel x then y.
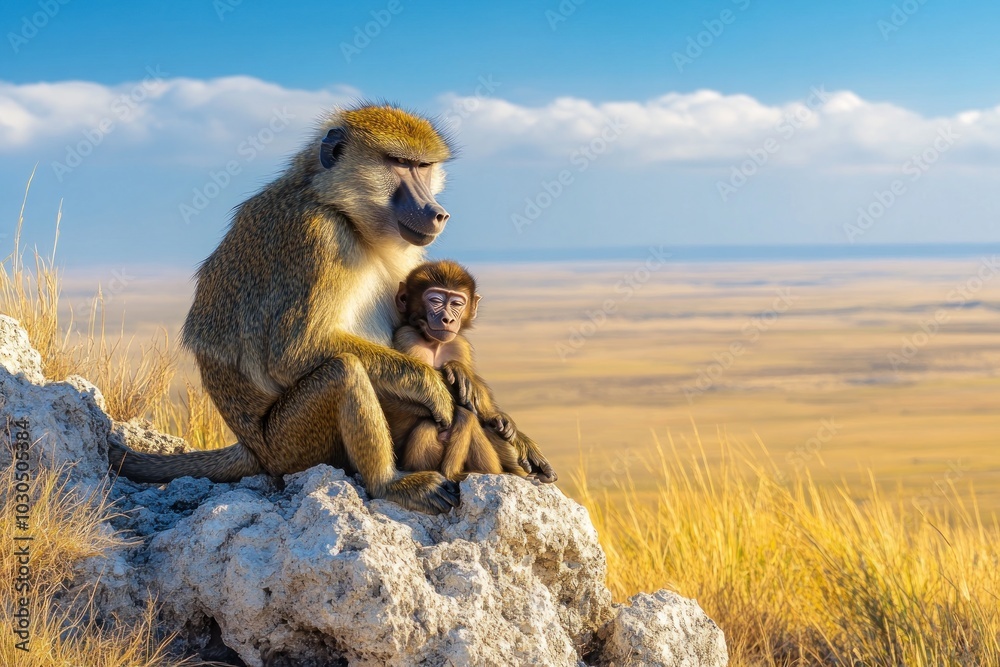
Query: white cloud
{"type": "Point", "coordinates": [199, 122]}
{"type": "Point", "coordinates": [189, 121]}
{"type": "Point", "coordinates": [706, 127]}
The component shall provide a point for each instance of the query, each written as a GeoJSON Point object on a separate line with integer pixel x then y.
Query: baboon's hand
{"type": "Point", "coordinates": [469, 391]}
{"type": "Point", "coordinates": [504, 426]}
{"type": "Point", "coordinates": [541, 470]}
{"type": "Point", "coordinates": [428, 491]}
{"type": "Point", "coordinates": [533, 461]}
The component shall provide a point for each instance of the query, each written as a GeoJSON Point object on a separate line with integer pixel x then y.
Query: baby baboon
{"type": "Point", "coordinates": [438, 302]}
{"type": "Point", "coordinates": [294, 313]}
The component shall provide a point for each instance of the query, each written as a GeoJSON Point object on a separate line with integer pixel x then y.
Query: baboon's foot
{"type": "Point", "coordinates": [428, 491]}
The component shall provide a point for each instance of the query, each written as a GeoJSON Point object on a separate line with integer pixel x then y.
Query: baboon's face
{"type": "Point", "coordinates": [386, 195]}
{"type": "Point", "coordinates": [444, 311]}
{"type": "Point", "coordinates": [438, 311]}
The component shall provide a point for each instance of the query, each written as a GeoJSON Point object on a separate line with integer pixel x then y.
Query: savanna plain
{"type": "Point", "coordinates": [808, 448]}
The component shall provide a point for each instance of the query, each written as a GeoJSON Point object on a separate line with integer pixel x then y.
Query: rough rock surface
{"type": "Point", "coordinates": [665, 629]}
{"type": "Point", "coordinates": [318, 574]}
{"type": "Point", "coordinates": [64, 420]}
{"type": "Point", "coordinates": [16, 353]}
{"type": "Point", "coordinates": [140, 435]}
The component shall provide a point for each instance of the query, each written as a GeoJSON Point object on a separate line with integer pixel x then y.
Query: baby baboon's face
{"type": "Point", "coordinates": [444, 310]}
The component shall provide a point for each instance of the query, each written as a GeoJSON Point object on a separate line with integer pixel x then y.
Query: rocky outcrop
{"type": "Point", "coordinates": [661, 629]}
{"type": "Point", "coordinates": [317, 573]}
{"type": "Point", "coordinates": [65, 421]}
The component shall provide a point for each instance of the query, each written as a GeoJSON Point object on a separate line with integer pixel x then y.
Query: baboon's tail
{"type": "Point", "coordinates": [229, 464]}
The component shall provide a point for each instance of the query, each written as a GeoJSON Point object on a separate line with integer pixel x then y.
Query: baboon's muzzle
{"type": "Point", "coordinates": [419, 217]}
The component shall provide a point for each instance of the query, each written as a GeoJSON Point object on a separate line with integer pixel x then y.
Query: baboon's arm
{"type": "Point", "coordinates": [470, 390]}
{"type": "Point", "coordinates": [398, 376]}
{"type": "Point", "coordinates": [339, 398]}
{"type": "Point", "coordinates": [473, 392]}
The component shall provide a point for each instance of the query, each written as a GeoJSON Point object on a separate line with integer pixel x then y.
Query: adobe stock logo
{"type": "Point", "coordinates": [626, 288]}
{"type": "Point", "coordinates": [751, 331]}
{"type": "Point", "coordinates": [901, 13]}
{"type": "Point", "coordinates": [581, 158]}
{"type": "Point", "coordinates": [562, 13]}
{"type": "Point", "coordinates": [247, 152]}
{"type": "Point", "coordinates": [915, 168]}
{"type": "Point", "coordinates": [363, 35]}
{"type": "Point", "coordinates": [714, 28]}
{"type": "Point", "coordinates": [464, 107]}
{"type": "Point", "coordinates": [31, 25]}
{"type": "Point", "coordinates": [122, 110]}
{"type": "Point", "coordinates": [784, 131]}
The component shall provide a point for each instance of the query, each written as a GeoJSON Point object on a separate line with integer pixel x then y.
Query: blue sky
{"type": "Point", "coordinates": [526, 87]}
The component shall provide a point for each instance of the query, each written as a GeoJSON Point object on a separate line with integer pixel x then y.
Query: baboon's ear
{"type": "Point", "coordinates": [475, 306]}
{"type": "Point", "coordinates": [331, 147]}
{"type": "Point", "coordinates": [401, 298]}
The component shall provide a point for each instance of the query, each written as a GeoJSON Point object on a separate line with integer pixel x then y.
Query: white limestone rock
{"type": "Point", "coordinates": [662, 629]}
{"type": "Point", "coordinates": [64, 421]}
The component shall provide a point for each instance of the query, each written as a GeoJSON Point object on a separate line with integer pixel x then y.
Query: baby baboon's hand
{"type": "Point", "coordinates": [541, 469]}
{"type": "Point", "coordinates": [469, 392]}
{"type": "Point", "coordinates": [532, 460]}
{"type": "Point", "coordinates": [504, 426]}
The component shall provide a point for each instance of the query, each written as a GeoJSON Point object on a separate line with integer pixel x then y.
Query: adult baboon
{"type": "Point", "coordinates": [294, 312]}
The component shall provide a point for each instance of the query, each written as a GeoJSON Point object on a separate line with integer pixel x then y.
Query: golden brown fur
{"type": "Point", "coordinates": [293, 314]}
{"type": "Point", "coordinates": [481, 437]}
{"type": "Point", "coordinates": [474, 444]}
{"type": "Point", "coordinates": [392, 130]}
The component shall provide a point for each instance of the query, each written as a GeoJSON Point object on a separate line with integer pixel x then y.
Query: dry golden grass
{"type": "Point", "coordinates": [798, 574]}
{"type": "Point", "coordinates": [193, 417]}
{"type": "Point", "coordinates": [63, 633]}
{"type": "Point", "coordinates": [132, 384]}
{"type": "Point", "coordinates": [33, 300]}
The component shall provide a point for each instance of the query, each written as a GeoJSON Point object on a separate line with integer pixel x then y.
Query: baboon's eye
{"type": "Point", "coordinates": [402, 161]}
{"type": "Point", "coordinates": [424, 165]}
